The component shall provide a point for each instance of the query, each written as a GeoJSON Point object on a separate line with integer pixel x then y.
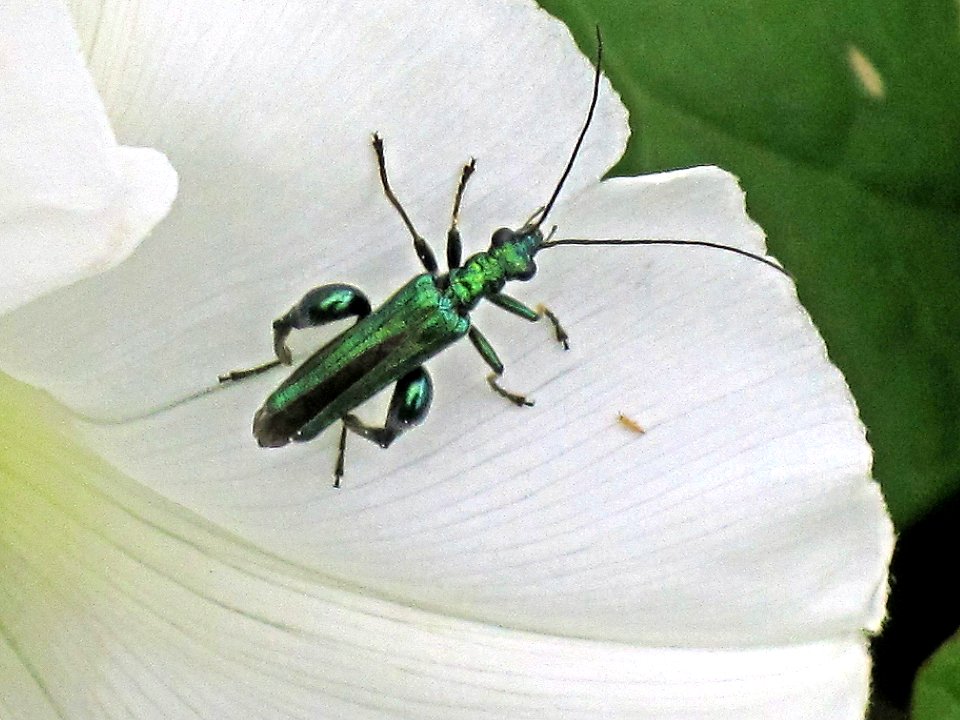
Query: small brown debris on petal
{"type": "Point", "coordinates": [630, 424]}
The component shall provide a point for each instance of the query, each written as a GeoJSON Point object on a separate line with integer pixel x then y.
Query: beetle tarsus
{"type": "Point", "coordinates": [235, 375]}
{"type": "Point", "coordinates": [558, 330]}
{"type": "Point", "coordinates": [338, 469]}
{"type": "Point", "coordinates": [516, 399]}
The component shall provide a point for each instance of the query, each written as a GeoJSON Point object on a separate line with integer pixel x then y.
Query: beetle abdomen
{"type": "Point", "coordinates": [410, 327]}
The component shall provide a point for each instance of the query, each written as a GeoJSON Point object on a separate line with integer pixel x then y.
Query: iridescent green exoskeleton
{"type": "Point", "coordinates": [389, 345]}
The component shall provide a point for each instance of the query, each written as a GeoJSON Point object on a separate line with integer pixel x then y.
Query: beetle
{"type": "Point", "coordinates": [389, 344]}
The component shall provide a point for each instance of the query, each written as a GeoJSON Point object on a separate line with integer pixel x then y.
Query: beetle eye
{"type": "Point", "coordinates": [502, 237]}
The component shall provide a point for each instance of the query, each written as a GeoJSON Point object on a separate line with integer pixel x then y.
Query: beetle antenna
{"type": "Point", "coordinates": [583, 133]}
{"type": "Point", "coordinates": [697, 243]}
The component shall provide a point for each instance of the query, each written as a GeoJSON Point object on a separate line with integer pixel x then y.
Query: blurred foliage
{"type": "Point", "coordinates": [924, 610]}
{"type": "Point", "coordinates": [937, 695]}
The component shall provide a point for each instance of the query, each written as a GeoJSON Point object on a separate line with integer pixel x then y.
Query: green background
{"type": "Point", "coordinates": [858, 190]}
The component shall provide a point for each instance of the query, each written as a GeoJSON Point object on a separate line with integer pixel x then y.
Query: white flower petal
{"type": "Point", "coordinates": [116, 603]}
{"type": "Point", "coordinates": [72, 203]}
{"type": "Point", "coordinates": [23, 696]}
{"type": "Point", "coordinates": [554, 518]}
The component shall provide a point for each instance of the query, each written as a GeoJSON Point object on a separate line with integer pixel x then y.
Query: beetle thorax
{"type": "Point", "coordinates": [510, 257]}
{"type": "Point", "coordinates": [479, 276]}
{"type": "Point", "coordinates": [485, 274]}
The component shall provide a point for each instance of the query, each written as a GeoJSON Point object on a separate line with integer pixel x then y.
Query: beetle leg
{"type": "Point", "coordinates": [322, 305]}
{"type": "Point", "coordinates": [341, 451]}
{"type": "Point", "coordinates": [408, 407]}
{"type": "Point", "coordinates": [518, 400]}
{"type": "Point", "coordinates": [558, 330]}
{"type": "Point", "coordinates": [454, 245]}
{"type": "Point", "coordinates": [234, 375]}
{"type": "Point", "coordinates": [419, 244]}
{"type": "Point", "coordinates": [516, 307]}
{"type": "Point", "coordinates": [487, 352]}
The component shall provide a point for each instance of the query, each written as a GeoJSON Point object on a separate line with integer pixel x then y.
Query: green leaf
{"type": "Point", "coordinates": [936, 691]}
{"type": "Point", "coordinates": [843, 122]}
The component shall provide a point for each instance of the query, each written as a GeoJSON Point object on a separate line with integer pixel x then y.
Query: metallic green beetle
{"type": "Point", "coordinates": [390, 344]}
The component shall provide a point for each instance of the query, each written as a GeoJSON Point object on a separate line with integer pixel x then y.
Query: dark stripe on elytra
{"type": "Point", "coordinates": [293, 416]}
